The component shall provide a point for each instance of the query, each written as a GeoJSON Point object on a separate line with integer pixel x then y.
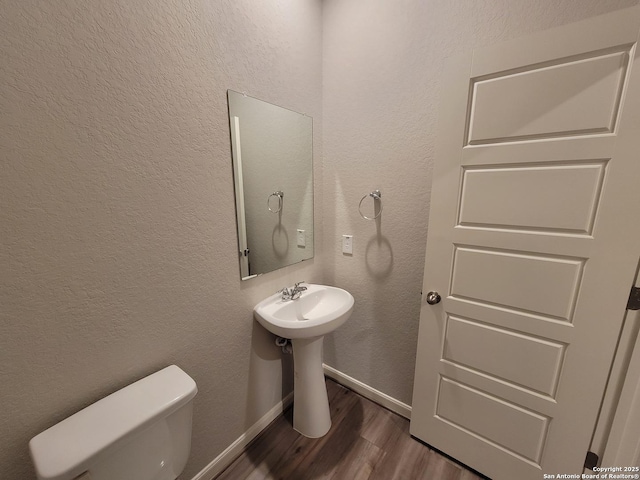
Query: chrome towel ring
{"type": "Point", "coordinates": [376, 195]}
{"type": "Point", "coordinates": [280, 196]}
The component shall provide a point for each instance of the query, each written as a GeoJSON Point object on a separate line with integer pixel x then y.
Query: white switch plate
{"type": "Point", "coordinates": [302, 240]}
{"type": "Point", "coordinates": [347, 244]}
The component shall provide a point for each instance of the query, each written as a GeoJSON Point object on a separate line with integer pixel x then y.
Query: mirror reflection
{"type": "Point", "coordinates": [272, 157]}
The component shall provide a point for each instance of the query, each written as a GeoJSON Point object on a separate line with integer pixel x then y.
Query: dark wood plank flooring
{"type": "Point", "coordinates": [366, 441]}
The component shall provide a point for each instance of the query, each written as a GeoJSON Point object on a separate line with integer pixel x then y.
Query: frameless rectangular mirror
{"type": "Point", "coordinates": [272, 153]}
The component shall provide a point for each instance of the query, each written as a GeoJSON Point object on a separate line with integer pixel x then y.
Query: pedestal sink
{"type": "Point", "coordinates": [319, 310]}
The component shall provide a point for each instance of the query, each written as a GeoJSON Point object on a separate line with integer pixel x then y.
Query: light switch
{"type": "Point", "coordinates": [347, 244]}
{"type": "Point", "coordinates": [302, 240]}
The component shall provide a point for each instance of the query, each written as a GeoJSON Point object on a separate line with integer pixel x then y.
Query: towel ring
{"type": "Point", "coordinates": [376, 195]}
{"type": "Point", "coordinates": [280, 196]}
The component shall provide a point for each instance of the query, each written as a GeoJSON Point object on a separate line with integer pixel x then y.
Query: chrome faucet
{"type": "Point", "coordinates": [292, 293]}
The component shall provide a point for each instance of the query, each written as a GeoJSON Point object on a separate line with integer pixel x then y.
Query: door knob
{"type": "Point", "coordinates": [433, 298]}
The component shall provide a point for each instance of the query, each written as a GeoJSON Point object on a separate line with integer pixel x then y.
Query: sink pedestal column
{"type": "Point", "coordinates": [310, 402]}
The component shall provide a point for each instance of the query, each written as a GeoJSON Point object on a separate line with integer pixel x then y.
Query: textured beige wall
{"type": "Point", "coordinates": [381, 67]}
{"type": "Point", "coordinates": [117, 218]}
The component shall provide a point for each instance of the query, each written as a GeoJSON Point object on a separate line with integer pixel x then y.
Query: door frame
{"type": "Point", "coordinates": [615, 439]}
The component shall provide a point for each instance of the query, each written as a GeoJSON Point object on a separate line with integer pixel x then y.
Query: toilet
{"type": "Point", "coordinates": [141, 432]}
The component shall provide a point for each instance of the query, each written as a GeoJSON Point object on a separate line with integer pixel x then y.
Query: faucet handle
{"type": "Point", "coordinates": [300, 283]}
{"type": "Point", "coordinates": [286, 293]}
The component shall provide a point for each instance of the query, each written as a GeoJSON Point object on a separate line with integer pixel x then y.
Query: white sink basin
{"type": "Point", "coordinates": [319, 310]}
{"type": "Point", "coordinates": [306, 320]}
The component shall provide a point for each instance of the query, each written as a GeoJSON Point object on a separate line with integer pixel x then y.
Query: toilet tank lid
{"type": "Point", "coordinates": [70, 445]}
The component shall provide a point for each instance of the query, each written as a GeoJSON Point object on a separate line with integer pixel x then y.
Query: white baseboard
{"type": "Point", "coordinates": [227, 457]}
{"type": "Point", "coordinates": [366, 391]}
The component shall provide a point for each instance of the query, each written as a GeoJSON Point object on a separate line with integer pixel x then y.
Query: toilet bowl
{"type": "Point", "coordinates": [141, 432]}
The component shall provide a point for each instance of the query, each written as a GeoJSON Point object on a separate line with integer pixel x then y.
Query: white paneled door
{"type": "Point", "coordinates": [533, 245]}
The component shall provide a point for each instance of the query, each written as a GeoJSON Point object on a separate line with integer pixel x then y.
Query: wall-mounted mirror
{"type": "Point", "coordinates": [272, 153]}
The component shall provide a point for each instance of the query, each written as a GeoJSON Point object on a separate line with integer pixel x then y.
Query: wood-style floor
{"type": "Point", "coordinates": [366, 441]}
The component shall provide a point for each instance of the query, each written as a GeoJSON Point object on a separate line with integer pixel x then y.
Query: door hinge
{"type": "Point", "coordinates": [591, 460]}
{"type": "Point", "coordinates": [634, 299]}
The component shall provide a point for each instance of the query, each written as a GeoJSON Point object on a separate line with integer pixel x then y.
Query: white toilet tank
{"type": "Point", "coordinates": [142, 432]}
